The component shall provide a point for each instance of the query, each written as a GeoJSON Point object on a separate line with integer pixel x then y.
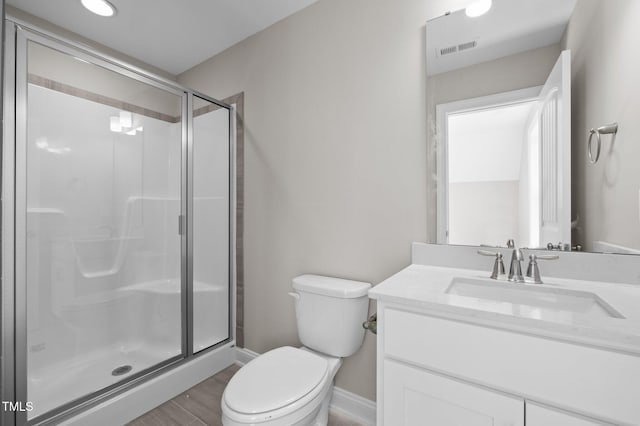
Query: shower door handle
{"type": "Point", "coordinates": [181, 225]}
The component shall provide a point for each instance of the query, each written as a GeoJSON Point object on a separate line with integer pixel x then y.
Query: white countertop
{"type": "Point", "coordinates": [425, 288]}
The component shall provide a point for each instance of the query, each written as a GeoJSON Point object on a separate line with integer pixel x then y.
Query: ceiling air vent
{"type": "Point", "coordinates": [457, 48]}
{"type": "Point", "coordinates": [448, 50]}
{"type": "Point", "coordinates": [467, 45]}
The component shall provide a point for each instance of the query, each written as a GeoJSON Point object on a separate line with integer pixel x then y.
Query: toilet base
{"type": "Point", "coordinates": [322, 418]}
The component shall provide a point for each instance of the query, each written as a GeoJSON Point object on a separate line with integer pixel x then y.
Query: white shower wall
{"type": "Point", "coordinates": [91, 179]}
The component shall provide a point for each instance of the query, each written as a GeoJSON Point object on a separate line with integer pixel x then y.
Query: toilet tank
{"type": "Point", "coordinates": [330, 312]}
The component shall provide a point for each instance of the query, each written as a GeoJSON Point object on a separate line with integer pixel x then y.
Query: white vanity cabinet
{"type": "Point", "coordinates": [413, 396]}
{"type": "Point", "coordinates": [453, 370]}
{"type": "Point", "coordinates": [543, 416]}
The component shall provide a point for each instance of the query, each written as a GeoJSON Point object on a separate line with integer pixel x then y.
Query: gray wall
{"type": "Point", "coordinates": [603, 37]}
{"type": "Point", "coordinates": [526, 69]}
{"type": "Point", "coordinates": [335, 122]}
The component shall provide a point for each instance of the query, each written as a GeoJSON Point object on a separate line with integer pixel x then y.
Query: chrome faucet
{"type": "Point", "coordinates": [515, 269]}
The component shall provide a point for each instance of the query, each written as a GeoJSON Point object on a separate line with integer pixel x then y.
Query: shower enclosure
{"type": "Point", "coordinates": [117, 230]}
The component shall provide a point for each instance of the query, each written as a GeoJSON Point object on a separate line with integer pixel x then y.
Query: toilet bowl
{"type": "Point", "coordinates": [293, 386]}
{"type": "Point", "coordinates": [285, 386]}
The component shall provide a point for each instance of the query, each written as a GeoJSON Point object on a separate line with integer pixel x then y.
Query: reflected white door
{"type": "Point", "coordinates": [555, 154]}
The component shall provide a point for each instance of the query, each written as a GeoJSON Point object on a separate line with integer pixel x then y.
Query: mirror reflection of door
{"type": "Point", "coordinates": [507, 165]}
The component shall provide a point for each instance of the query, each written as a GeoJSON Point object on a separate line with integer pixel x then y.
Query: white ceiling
{"type": "Point", "coordinates": [173, 36]}
{"type": "Point", "coordinates": [511, 26]}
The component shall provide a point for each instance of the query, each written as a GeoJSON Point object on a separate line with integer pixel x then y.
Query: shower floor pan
{"type": "Point", "coordinates": [70, 380]}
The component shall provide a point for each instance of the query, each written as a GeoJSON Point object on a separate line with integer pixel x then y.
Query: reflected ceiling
{"type": "Point", "coordinates": [455, 40]}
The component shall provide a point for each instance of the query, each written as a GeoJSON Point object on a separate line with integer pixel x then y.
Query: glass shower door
{"type": "Point", "coordinates": [100, 161]}
{"type": "Point", "coordinates": [211, 248]}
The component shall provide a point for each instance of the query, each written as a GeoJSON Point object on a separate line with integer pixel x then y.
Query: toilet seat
{"type": "Point", "coordinates": [276, 383]}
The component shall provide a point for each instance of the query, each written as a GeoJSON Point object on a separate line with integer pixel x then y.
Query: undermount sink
{"type": "Point", "coordinates": [556, 299]}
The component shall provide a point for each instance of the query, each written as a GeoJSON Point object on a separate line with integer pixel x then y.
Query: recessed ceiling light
{"type": "Point", "coordinates": [99, 7]}
{"type": "Point", "coordinates": [477, 8]}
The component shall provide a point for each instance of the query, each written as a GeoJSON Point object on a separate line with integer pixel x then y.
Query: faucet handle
{"type": "Point", "coordinates": [498, 265]}
{"type": "Point", "coordinates": [533, 271]}
{"type": "Point", "coordinates": [488, 253]}
{"type": "Point", "coordinates": [544, 256]}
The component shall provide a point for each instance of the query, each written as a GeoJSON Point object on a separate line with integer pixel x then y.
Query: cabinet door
{"type": "Point", "coordinates": [538, 415]}
{"type": "Point", "coordinates": [417, 397]}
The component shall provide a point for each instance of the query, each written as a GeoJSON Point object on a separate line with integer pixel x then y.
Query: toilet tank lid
{"type": "Point", "coordinates": [329, 286]}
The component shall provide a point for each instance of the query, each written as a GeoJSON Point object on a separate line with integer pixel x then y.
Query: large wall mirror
{"type": "Point", "coordinates": [515, 91]}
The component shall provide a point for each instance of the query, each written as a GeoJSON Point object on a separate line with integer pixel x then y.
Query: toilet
{"type": "Point", "coordinates": [293, 386]}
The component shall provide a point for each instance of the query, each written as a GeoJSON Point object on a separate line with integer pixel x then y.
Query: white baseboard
{"type": "Point", "coordinates": [359, 409]}
{"type": "Point", "coordinates": [354, 406]}
{"type": "Point", "coordinates": [243, 355]}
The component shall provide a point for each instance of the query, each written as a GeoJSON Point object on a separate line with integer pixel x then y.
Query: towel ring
{"type": "Point", "coordinates": [593, 160]}
{"type": "Point", "coordinates": [602, 130]}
